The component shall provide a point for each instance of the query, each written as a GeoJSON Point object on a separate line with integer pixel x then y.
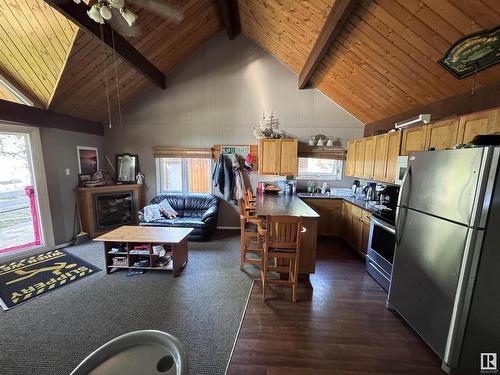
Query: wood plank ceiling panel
{"type": "Point", "coordinates": [34, 42]}
{"type": "Point", "coordinates": [82, 90]}
{"type": "Point", "coordinates": [384, 61]}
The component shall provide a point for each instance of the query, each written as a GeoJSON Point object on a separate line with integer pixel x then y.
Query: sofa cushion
{"type": "Point", "coordinates": [200, 201]}
{"type": "Point", "coordinates": [183, 222]}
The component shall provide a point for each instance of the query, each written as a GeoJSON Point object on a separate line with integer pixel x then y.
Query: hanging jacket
{"type": "Point", "coordinates": [218, 174]}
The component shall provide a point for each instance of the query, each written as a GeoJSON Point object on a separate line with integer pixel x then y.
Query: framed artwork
{"type": "Point", "coordinates": [88, 160]}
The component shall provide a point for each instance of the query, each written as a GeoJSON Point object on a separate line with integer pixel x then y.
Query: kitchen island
{"type": "Point", "coordinates": [292, 205]}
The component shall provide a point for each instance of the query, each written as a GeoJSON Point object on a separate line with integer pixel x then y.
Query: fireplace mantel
{"type": "Point", "coordinates": [87, 205]}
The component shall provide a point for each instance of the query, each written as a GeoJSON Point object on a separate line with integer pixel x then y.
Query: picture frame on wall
{"type": "Point", "coordinates": [88, 160]}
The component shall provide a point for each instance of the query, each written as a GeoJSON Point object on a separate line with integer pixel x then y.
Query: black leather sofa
{"type": "Point", "coordinates": [198, 211]}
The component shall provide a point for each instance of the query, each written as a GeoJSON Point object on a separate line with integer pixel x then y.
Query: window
{"type": "Point", "coordinates": [186, 175]}
{"type": "Point", "coordinates": [324, 169]}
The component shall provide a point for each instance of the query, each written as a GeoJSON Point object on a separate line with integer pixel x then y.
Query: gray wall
{"type": "Point", "coordinates": [215, 98]}
{"type": "Point", "coordinates": [59, 153]}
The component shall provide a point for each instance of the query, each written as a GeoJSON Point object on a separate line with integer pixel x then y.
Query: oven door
{"type": "Point", "coordinates": [381, 244]}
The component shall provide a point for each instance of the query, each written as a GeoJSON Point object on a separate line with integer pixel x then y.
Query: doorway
{"type": "Point", "coordinates": [25, 223]}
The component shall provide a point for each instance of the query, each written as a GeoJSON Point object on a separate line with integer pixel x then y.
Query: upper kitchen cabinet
{"type": "Point", "coordinates": [359, 157]}
{"type": "Point", "coordinates": [349, 163]}
{"type": "Point", "coordinates": [369, 158]}
{"type": "Point", "coordinates": [393, 148]}
{"type": "Point", "coordinates": [414, 139]}
{"type": "Point", "coordinates": [278, 157]}
{"type": "Point", "coordinates": [442, 135]}
{"type": "Point", "coordinates": [486, 122]}
{"type": "Point", "coordinates": [379, 157]}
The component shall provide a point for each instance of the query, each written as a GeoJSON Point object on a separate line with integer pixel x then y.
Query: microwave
{"type": "Point", "coordinates": [401, 167]}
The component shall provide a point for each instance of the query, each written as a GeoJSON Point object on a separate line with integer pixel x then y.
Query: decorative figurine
{"type": "Point", "coordinates": [140, 178]}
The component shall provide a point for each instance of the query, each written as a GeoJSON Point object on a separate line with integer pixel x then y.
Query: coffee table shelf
{"type": "Point", "coordinates": [173, 240]}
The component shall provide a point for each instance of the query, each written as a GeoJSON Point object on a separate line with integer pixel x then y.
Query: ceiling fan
{"type": "Point", "coordinates": [102, 10]}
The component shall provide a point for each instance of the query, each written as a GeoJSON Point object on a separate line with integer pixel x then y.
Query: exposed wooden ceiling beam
{"type": "Point", "coordinates": [43, 118]}
{"type": "Point", "coordinates": [230, 17]}
{"type": "Point", "coordinates": [333, 24]}
{"type": "Point", "coordinates": [77, 13]}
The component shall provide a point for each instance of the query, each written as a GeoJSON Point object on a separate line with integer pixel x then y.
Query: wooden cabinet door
{"type": "Point", "coordinates": [414, 140]}
{"type": "Point", "coordinates": [380, 157]}
{"type": "Point", "coordinates": [330, 215]}
{"type": "Point", "coordinates": [486, 122]}
{"type": "Point", "coordinates": [356, 233]}
{"type": "Point", "coordinates": [442, 135]}
{"type": "Point", "coordinates": [349, 163]}
{"type": "Point", "coordinates": [365, 234]}
{"type": "Point", "coordinates": [359, 157]}
{"type": "Point", "coordinates": [288, 157]}
{"type": "Point", "coordinates": [269, 156]}
{"type": "Point", "coordinates": [369, 158]}
{"type": "Point", "coordinates": [393, 148]}
{"type": "Point", "coordinates": [346, 221]}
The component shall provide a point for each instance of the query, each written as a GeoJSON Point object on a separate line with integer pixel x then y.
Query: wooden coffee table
{"type": "Point", "coordinates": [174, 241]}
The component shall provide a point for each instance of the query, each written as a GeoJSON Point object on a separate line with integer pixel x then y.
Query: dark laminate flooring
{"type": "Point", "coordinates": [341, 326]}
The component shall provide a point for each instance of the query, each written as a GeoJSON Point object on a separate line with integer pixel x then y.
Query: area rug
{"type": "Point", "coordinates": [26, 278]}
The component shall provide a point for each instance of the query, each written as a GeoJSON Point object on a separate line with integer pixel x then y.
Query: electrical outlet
{"type": "Point", "coordinates": [68, 172]}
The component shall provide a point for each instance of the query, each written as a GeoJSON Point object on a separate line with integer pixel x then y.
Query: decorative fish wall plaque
{"type": "Point", "coordinates": [473, 53]}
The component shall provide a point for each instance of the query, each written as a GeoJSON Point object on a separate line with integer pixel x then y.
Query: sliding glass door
{"type": "Point", "coordinates": [24, 211]}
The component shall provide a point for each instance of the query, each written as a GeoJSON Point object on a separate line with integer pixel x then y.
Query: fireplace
{"type": "Point", "coordinates": [113, 209]}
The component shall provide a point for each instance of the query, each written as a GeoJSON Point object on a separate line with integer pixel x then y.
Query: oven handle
{"type": "Point", "coordinates": [383, 225]}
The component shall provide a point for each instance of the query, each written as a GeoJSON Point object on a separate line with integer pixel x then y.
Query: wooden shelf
{"type": "Point", "coordinates": [117, 253]}
{"type": "Point", "coordinates": [168, 267]}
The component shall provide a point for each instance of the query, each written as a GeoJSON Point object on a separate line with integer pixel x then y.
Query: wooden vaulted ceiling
{"type": "Point", "coordinates": [384, 60]}
{"type": "Point", "coordinates": [34, 43]}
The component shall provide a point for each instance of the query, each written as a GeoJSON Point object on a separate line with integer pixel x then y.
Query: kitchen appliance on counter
{"type": "Point", "coordinates": [382, 238]}
{"type": "Point", "coordinates": [448, 219]}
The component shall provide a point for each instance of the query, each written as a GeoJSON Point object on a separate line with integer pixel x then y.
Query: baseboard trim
{"type": "Point", "coordinates": [229, 228]}
{"type": "Point", "coordinates": [239, 328]}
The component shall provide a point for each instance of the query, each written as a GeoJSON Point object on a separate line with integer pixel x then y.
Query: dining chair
{"type": "Point", "coordinates": [281, 251]}
{"type": "Point", "coordinates": [250, 241]}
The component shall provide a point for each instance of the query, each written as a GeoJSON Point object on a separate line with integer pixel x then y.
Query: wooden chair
{"type": "Point", "coordinates": [250, 241]}
{"type": "Point", "coordinates": [249, 200]}
{"type": "Point", "coordinates": [281, 238]}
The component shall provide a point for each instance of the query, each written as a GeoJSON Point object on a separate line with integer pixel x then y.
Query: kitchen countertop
{"type": "Point", "coordinates": [279, 204]}
{"type": "Point", "coordinates": [361, 203]}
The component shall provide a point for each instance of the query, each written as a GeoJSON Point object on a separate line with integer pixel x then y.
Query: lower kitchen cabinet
{"type": "Point", "coordinates": [356, 227]}
{"type": "Point", "coordinates": [330, 215]}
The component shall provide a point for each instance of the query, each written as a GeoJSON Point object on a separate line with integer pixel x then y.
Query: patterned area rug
{"type": "Point", "coordinates": [26, 278]}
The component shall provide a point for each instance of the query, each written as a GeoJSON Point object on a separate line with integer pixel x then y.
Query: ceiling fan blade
{"type": "Point", "coordinates": [158, 7]}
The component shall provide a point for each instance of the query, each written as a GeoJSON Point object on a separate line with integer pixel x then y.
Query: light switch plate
{"type": "Point", "coordinates": [68, 172]}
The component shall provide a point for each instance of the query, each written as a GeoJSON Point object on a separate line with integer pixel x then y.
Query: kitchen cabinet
{"type": "Point", "coordinates": [442, 135]}
{"type": "Point", "coordinates": [485, 122]}
{"type": "Point", "coordinates": [369, 157]}
{"type": "Point", "coordinates": [278, 157]}
{"type": "Point", "coordinates": [359, 157]}
{"type": "Point", "coordinates": [330, 212]}
{"type": "Point", "coordinates": [350, 161]}
{"type": "Point", "coordinates": [356, 227]}
{"type": "Point", "coordinates": [379, 157]}
{"type": "Point", "coordinates": [393, 148]}
{"type": "Point", "coordinates": [414, 139]}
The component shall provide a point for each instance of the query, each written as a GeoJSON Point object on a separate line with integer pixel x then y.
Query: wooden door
{"type": "Point", "coordinates": [359, 157]}
{"type": "Point", "coordinates": [369, 158]}
{"type": "Point", "coordinates": [380, 157]}
{"type": "Point", "coordinates": [485, 122]}
{"type": "Point", "coordinates": [393, 147]}
{"type": "Point", "coordinates": [365, 234]}
{"type": "Point", "coordinates": [330, 212]}
{"type": "Point", "coordinates": [349, 163]}
{"type": "Point", "coordinates": [288, 157]}
{"type": "Point", "coordinates": [269, 156]}
{"type": "Point", "coordinates": [346, 221]}
{"type": "Point", "coordinates": [442, 135]}
{"type": "Point", "coordinates": [414, 140]}
{"type": "Point", "coordinates": [356, 233]}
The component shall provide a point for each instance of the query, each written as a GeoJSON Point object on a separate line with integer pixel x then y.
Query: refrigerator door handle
{"type": "Point", "coordinates": [406, 182]}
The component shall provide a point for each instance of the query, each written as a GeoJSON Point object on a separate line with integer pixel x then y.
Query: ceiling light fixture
{"type": "Point", "coordinates": [414, 121]}
{"type": "Point", "coordinates": [101, 11]}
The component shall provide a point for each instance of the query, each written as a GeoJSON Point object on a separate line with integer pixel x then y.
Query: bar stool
{"type": "Point", "coordinates": [249, 240]}
{"type": "Point", "coordinates": [281, 237]}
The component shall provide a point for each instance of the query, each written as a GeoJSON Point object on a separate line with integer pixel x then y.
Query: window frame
{"type": "Point", "coordinates": [185, 176]}
{"type": "Point", "coordinates": [320, 176]}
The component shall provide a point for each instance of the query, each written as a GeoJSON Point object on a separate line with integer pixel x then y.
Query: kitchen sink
{"type": "Point", "coordinates": [313, 195]}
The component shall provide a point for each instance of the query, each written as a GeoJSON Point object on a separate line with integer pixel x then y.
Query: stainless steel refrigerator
{"type": "Point", "coordinates": [445, 213]}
